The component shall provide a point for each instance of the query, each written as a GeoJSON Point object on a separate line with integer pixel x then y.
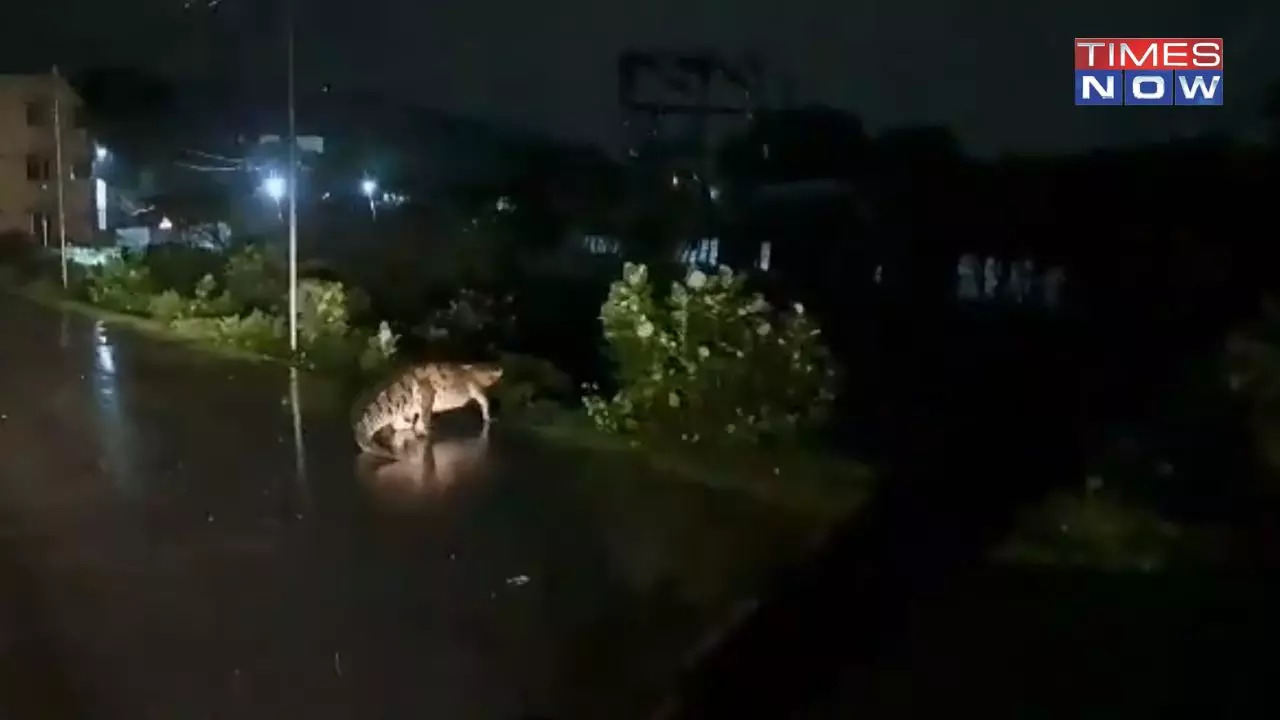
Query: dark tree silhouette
{"type": "Point", "coordinates": [816, 142]}
{"type": "Point", "coordinates": [1271, 109]}
{"type": "Point", "coordinates": [190, 207]}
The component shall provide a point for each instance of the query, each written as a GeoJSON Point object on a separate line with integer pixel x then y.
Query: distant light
{"type": "Point", "coordinates": [368, 187]}
{"type": "Point", "coordinates": [166, 223]}
{"type": "Point", "coordinates": [274, 187]}
{"type": "Point", "coordinates": [714, 192]}
{"type": "Point", "coordinates": [99, 152]}
{"type": "Point", "coordinates": [675, 181]}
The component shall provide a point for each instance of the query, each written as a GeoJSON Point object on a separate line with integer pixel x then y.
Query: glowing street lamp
{"type": "Point", "coordinates": [275, 187]}
{"type": "Point", "coordinates": [368, 188]}
{"type": "Point", "coordinates": [99, 152]}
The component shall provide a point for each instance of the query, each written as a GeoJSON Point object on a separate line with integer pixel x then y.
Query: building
{"type": "Point", "coordinates": [28, 160]}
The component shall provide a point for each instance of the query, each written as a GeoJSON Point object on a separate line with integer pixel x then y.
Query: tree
{"type": "Point", "coordinates": [921, 195]}
{"type": "Point", "coordinates": [816, 142]}
{"type": "Point", "coordinates": [557, 187]}
{"type": "Point", "coordinates": [554, 191]}
{"type": "Point", "coordinates": [189, 207]}
{"type": "Point", "coordinates": [1271, 109]}
{"type": "Point", "coordinates": [199, 206]}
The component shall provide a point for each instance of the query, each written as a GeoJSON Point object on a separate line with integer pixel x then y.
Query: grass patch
{"type": "Point", "coordinates": [824, 487]}
{"type": "Point", "coordinates": [52, 297]}
{"type": "Point", "coordinates": [1095, 532]}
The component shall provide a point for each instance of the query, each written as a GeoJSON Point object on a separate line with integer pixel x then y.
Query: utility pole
{"type": "Point", "coordinates": [57, 152]}
{"type": "Point", "coordinates": [291, 180]}
{"type": "Point", "coordinates": [293, 191]}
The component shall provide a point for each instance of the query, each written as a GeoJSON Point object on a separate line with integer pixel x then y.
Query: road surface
{"type": "Point", "coordinates": [177, 542]}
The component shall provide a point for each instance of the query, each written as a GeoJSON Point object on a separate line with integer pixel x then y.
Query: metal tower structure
{"type": "Point", "coordinates": [659, 89]}
{"type": "Point", "coordinates": [673, 103]}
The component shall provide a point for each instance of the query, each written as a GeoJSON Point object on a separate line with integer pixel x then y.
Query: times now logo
{"type": "Point", "coordinates": [1148, 71]}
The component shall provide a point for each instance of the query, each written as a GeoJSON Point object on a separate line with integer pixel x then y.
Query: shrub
{"type": "Point", "coordinates": [322, 310]}
{"type": "Point", "coordinates": [123, 284]}
{"type": "Point", "coordinates": [379, 349]}
{"type": "Point", "coordinates": [170, 305]}
{"type": "Point", "coordinates": [247, 314]}
{"type": "Point", "coordinates": [175, 266]}
{"type": "Point", "coordinates": [206, 301]}
{"type": "Point", "coordinates": [256, 279]}
{"type": "Point", "coordinates": [167, 307]}
{"type": "Point", "coordinates": [711, 362]}
{"type": "Point", "coordinates": [325, 332]}
{"type": "Point", "coordinates": [1094, 531]}
{"type": "Point", "coordinates": [77, 278]}
{"type": "Point", "coordinates": [24, 261]}
{"type": "Point", "coordinates": [527, 379]}
{"type": "Point", "coordinates": [257, 332]}
{"type": "Point", "coordinates": [469, 319]}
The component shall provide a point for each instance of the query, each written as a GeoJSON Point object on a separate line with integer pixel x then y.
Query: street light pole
{"type": "Point", "coordinates": [293, 191]}
{"type": "Point", "coordinates": [57, 159]}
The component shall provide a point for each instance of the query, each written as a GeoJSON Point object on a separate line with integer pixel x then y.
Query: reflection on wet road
{"type": "Point", "coordinates": [181, 536]}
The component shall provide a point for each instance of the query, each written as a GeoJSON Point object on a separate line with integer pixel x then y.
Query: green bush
{"type": "Point", "coordinates": [358, 354]}
{"type": "Point", "coordinates": [257, 279]}
{"type": "Point", "coordinates": [249, 314]}
{"type": "Point", "coordinates": [379, 349]}
{"type": "Point", "coordinates": [167, 307]}
{"type": "Point", "coordinates": [324, 330]}
{"type": "Point", "coordinates": [711, 362]}
{"type": "Point", "coordinates": [469, 320]}
{"type": "Point", "coordinates": [170, 305]}
{"type": "Point", "coordinates": [257, 332]}
{"type": "Point", "coordinates": [123, 285]}
{"type": "Point", "coordinates": [77, 279]}
{"type": "Point", "coordinates": [326, 335]}
{"type": "Point", "coordinates": [322, 311]}
{"type": "Point", "coordinates": [206, 301]}
{"type": "Point", "coordinates": [175, 266]}
{"type": "Point", "coordinates": [528, 380]}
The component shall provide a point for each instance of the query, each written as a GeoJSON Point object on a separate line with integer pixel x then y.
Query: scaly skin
{"type": "Point", "coordinates": [404, 408]}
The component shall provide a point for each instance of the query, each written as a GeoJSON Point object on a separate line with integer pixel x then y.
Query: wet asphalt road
{"type": "Point", "coordinates": [176, 543]}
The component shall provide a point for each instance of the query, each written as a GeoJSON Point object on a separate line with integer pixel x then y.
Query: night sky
{"type": "Point", "coordinates": [998, 73]}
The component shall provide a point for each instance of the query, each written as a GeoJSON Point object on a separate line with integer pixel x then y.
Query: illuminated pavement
{"type": "Point", "coordinates": [174, 545]}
